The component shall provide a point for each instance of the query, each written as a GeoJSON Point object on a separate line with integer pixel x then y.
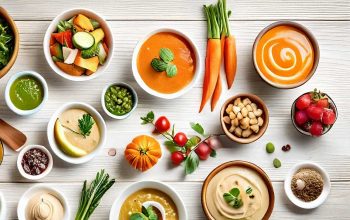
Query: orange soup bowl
{"type": "Point", "coordinates": [285, 54]}
{"type": "Point", "coordinates": [186, 58]}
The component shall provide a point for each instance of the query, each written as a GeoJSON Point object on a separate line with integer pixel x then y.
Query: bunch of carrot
{"type": "Point", "coordinates": [220, 44]}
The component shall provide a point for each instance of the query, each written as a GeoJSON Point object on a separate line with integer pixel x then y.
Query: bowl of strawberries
{"type": "Point", "coordinates": [314, 113]}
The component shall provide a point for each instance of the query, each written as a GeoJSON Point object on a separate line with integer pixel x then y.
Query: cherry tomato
{"type": "Point", "coordinates": [180, 139]}
{"type": "Point", "coordinates": [203, 151]}
{"type": "Point", "coordinates": [303, 101]}
{"type": "Point", "coordinates": [162, 124]}
{"type": "Point", "coordinates": [177, 158]}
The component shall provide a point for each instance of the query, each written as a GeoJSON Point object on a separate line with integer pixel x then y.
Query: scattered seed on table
{"type": "Point", "coordinates": [286, 148]}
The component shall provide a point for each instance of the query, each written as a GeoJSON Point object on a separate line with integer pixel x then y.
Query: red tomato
{"type": "Point", "coordinates": [328, 117]}
{"type": "Point", "coordinates": [180, 139]}
{"type": "Point", "coordinates": [162, 124]}
{"type": "Point", "coordinates": [323, 103]}
{"type": "Point", "coordinates": [203, 151]}
{"type": "Point", "coordinates": [303, 101]}
{"type": "Point", "coordinates": [314, 112]}
{"type": "Point", "coordinates": [177, 158]}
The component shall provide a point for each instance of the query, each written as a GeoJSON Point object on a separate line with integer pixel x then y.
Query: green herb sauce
{"type": "Point", "coordinates": [26, 93]}
{"type": "Point", "coordinates": [118, 100]}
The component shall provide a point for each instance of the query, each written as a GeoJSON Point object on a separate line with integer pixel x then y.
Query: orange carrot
{"type": "Point", "coordinates": [217, 93]}
{"type": "Point", "coordinates": [230, 59]}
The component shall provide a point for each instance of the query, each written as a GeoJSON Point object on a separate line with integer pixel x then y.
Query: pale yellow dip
{"type": "Point", "coordinates": [44, 206]}
{"type": "Point", "coordinates": [69, 120]}
{"type": "Point", "coordinates": [241, 178]}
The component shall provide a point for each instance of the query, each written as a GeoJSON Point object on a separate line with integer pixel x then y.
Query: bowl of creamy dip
{"type": "Point", "coordinates": [237, 190]}
{"type": "Point", "coordinates": [43, 202]}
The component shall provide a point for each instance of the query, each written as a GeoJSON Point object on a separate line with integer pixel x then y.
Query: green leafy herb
{"type": "Point", "coordinates": [95, 23]}
{"type": "Point", "coordinates": [138, 216]}
{"type": "Point", "coordinates": [233, 199]}
{"type": "Point", "coordinates": [166, 55]}
{"type": "Point", "coordinates": [235, 192]}
{"type": "Point", "coordinates": [6, 43]}
{"type": "Point", "coordinates": [228, 197]}
{"type": "Point", "coordinates": [249, 190]}
{"type": "Point", "coordinates": [148, 119]}
{"type": "Point", "coordinates": [192, 142]}
{"type": "Point", "coordinates": [277, 163]}
{"type": "Point", "coordinates": [92, 195]}
{"type": "Point", "coordinates": [197, 128]}
{"type": "Point", "coordinates": [85, 124]}
{"type": "Point", "coordinates": [64, 25]}
{"type": "Point", "coordinates": [146, 214]}
{"type": "Point", "coordinates": [213, 153]}
{"type": "Point", "coordinates": [171, 70]}
{"type": "Point", "coordinates": [191, 162]}
{"type": "Point", "coordinates": [172, 146]}
{"type": "Point", "coordinates": [91, 52]}
{"type": "Point", "coordinates": [159, 65]}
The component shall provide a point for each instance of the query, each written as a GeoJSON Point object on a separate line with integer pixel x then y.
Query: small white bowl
{"type": "Point", "coordinates": [8, 87]}
{"type": "Point", "coordinates": [326, 185]}
{"type": "Point", "coordinates": [65, 16]}
{"type": "Point", "coordinates": [135, 100]}
{"type": "Point", "coordinates": [33, 177]}
{"type": "Point", "coordinates": [3, 207]}
{"type": "Point", "coordinates": [114, 213]}
{"type": "Point", "coordinates": [22, 205]}
{"type": "Point", "coordinates": [98, 119]}
{"type": "Point", "coordinates": [151, 91]}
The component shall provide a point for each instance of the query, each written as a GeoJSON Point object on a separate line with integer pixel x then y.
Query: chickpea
{"type": "Point", "coordinates": [229, 108]}
{"type": "Point", "coordinates": [237, 100]}
{"type": "Point", "coordinates": [258, 112]}
{"type": "Point", "coordinates": [254, 106]}
{"type": "Point", "coordinates": [239, 116]}
{"type": "Point", "coordinates": [255, 128]}
{"type": "Point", "coordinates": [238, 132]}
{"type": "Point", "coordinates": [260, 121]}
{"type": "Point", "coordinates": [244, 112]}
{"type": "Point", "coordinates": [249, 108]}
{"type": "Point", "coordinates": [232, 129]}
{"type": "Point", "coordinates": [240, 105]}
{"type": "Point", "coordinates": [235, 122]}
{"type": "Point", "coordinates": [246, 133]}
{"type": "Point", "coordinates": [246, 101]}
{"type": "Point", "coordinates": [232, 115]}
{"type": "Point", "coordinates": [227, 119]}
{"type": "Point", "coordinates": [244, 123]}
{"type": "Point", "coordinates": [236, 109]}
{"type": "Point", "coordinates": [253, 121]}
{"type": "Point", "coordinates": [251, 115]}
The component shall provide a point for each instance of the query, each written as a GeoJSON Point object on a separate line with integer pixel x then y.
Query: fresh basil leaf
{"type": "Point", "coordinates": [237, 203]}
{"type": "Point", "coordinates": [213, 153]}
{"type": "Point", "coordinates": [166, 55]}
{"type": "Point", "coordinates": [197, 128]}
{"type": "Point", "coordinates": [191, 163]}
{"type": "Point", "coordinates": [228, 197]}
{"type": "Point", "coordinates": [148, 119]}
{"type": "Point", "coordinates": [193, 141]}
{"type": "Point", "coordinates": [171, 70]}
{"type": "Point", "coordinates": [144, 211]}
{"type": "Point", "coordinates": [138, 216]}
{"type": "Point", "coordinates": [235, 192]}
{"type": "Point", "coordinates": [159, 65]}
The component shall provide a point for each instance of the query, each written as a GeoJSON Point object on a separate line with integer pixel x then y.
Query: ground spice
{"type": "Point", "coordinates": [307, 184]}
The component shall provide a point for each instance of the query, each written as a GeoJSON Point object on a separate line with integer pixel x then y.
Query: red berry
{"type": "Point", "coordinates": [328, 117]}
{"type": "Point", "coordinates": [300, 117]}
{"type": "Point", "coordinates": [303, 101]}
{"type": "Point", "coordinates": [203, 151]}
{"type": "Point", "coordinates": [162, 124]}
{"type": "Point", "coordinates": [177, 158]}
{"type": "Point", "coordinates": [316, 129]}
{"type": "Point", "coordinates": [314, 112]}
{"type": "Point", "coordinates": [180, 139]}
{"type": "Point", "coordinates": [323, 103]}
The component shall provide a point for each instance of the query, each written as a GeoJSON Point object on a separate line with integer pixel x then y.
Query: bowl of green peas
{"type": "Point", "coordinates": [119, 100]}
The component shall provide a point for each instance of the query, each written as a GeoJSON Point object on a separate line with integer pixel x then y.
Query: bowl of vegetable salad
{"type": "Point", "coordinates": [9, 42]}
{"type": "Point", "coordinates": [78, 45]}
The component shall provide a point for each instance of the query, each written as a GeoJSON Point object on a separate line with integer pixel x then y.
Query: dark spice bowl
{"type": "Point", "coordinates": [243, 165]}
{"type": "Point", "coordinates": [265, 116]}
{"type": "Point", "coordinates": [11, 22]}
{"type": "Point", "coordinates": [310, 37]}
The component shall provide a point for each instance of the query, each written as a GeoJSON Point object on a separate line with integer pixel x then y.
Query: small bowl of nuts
{"type": "Point", "coordinates": [244, 118]}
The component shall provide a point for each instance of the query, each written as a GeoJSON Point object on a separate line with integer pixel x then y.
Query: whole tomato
{"type": "Point", "coordinates": [162, 124]}
{"type": "Point", "coordinates": [177, 158]}
{"type": "Point", "coordinates": [203, 151]}
{"type": "Point", "coordinates": [180, 139]}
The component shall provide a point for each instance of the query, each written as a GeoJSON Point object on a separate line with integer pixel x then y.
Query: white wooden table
{"type": "Point", "coordinates": [130, 20]}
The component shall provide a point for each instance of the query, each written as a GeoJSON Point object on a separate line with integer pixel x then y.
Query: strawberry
{"type": "Point", "coordinates": [316, 129]}
{"type": "Point", "coordinates": [314, 112]}
{"type": "Point", "coordinates": [328, 117]}
{"type": "Point", "coordinates": [303, 101]}
{"type": "Point", "coordinates": [300, 117]}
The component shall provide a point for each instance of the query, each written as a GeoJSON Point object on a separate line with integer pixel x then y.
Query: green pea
{"type": "Point", "coordinates": [277, 163]}
{"type": "Point", "coordinates": [270, 148]}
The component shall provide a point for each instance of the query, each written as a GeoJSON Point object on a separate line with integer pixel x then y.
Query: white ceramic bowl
{"type": "Point", "coordinates": [8, 87]}
{"type": "Point", "coordinates": [3, 207]}
{"type": "Point", "coordinates": [21, 208]}
{"type": "Point", "coordinates": [149, 90]}
{"type": "Point", "coordinates": [98, 119]}
{"type": "Point", "coordinates": [114, 213]}
{"type": "Point", "coordinates": [326, 186]}
{"type": "Point", "coordinates": [65, 16]}
{"type": "Point", "coordinates": [135, 101]}
{"type": "Point", "coordinates": [19, 162]}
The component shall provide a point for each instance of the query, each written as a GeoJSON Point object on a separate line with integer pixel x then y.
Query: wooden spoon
{"type": "Point", "coordinates": [11, 136]}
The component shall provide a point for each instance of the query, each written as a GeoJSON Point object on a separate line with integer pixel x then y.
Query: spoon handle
{"type": "Point", "coordinates": [11, 136]}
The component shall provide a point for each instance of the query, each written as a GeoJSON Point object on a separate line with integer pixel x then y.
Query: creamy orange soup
{"type": "Point", "coordinates": [184, 59]}
{"type": "Point", "coordinates": [285, 55]}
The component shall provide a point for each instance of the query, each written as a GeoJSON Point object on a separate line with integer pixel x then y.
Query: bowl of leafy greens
{"type": "Point", "coordinates": [9, 42]}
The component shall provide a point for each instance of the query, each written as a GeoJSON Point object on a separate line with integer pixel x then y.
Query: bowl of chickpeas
{"type": "Point", "coordinates": [244, 118]}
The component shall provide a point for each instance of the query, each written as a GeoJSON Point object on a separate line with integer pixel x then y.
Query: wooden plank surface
{"type": "Point", "coordinates": [130, 20]}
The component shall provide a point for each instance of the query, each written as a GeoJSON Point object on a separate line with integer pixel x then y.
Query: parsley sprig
{"type": "Point", "coordinates": [85, 125]}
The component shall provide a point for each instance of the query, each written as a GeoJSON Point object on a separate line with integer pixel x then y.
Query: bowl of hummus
{"type": "Point", "coordinates": [237, 190]}
{"type": "Point", "coordinates": [42, 202]}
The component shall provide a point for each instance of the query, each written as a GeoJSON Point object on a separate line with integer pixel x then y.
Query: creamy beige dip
{"type": "Point", "coordinates": [44, 206]}
{"type": "Point", "coordinates": [253, 208]}
{"type": "Point", "coordinates": [69, 120]}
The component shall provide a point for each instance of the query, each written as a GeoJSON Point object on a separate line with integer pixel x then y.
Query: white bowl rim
{"type": "Point", "coordinates": [326, 186]}
{"type": "Point", "coordinates": [149, 90]}
{"type": "Point", "coordinates": [8, 87]}
{"type": "Point", "coordinates": [97, 117]}
{"type": "Point", "coordinates": [21, 207]}
{"type": "Point", "coordinates": [133, 91]}
{"type": "Point", "coordinates": [3, 207]}
{"type": "Point", "coordinates": [19, 162]}
{"type": "Point", "coordinates": [48, 33]}
{"type": "Point", "coordinates": [114, 212]}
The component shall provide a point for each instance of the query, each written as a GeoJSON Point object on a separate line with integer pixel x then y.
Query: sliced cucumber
{"type": "Point", "coordinates": [83, 40]}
